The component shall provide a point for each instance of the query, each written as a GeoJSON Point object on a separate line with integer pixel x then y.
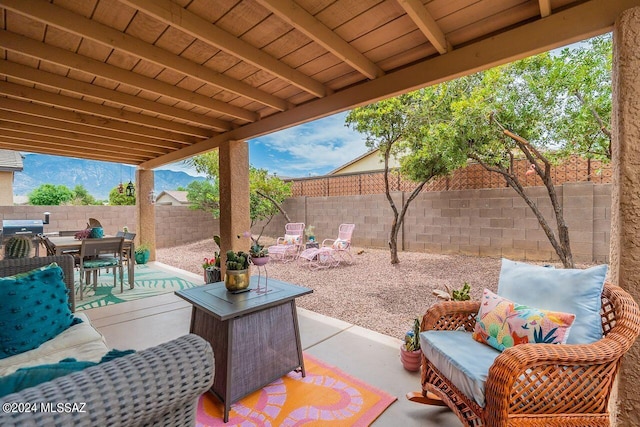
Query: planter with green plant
{"type": "Point", "coordinates": [236, 278]}
{"type": "Point", "coordinates": [18, 247]}
{"type": "Point", "coordinates": [211, 266]}
{"type": "Point", "coordinates": [142, 253]}
{"type": "Point", "coordinates": [410, 353]}
{"type": "Point", "coordinates": [462, 294]}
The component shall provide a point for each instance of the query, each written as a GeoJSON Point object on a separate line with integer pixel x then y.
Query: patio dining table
{"type": "Point", "coordinates": [63, 244]}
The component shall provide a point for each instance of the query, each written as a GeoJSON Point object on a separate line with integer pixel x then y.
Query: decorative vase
{"type": "Point", "coordinates": [411, 360]}
{"type": "Point", "coordinates": [236, 280]}
{"type": "Point", "coordinates": [142, 257]}
{"type": "Point", "coordinates": [212, 275]}
{"type": "Point", "coordinates": [97, 233]}
{"type": "Point", "coordinates": [260, 261]}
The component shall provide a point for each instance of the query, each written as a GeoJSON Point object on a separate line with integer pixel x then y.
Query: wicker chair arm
{"type": "Point", "coordinates": [328, 242]}
{"type": "Point", "coordinates": [537, 379]}
{"type": "Point", "coordinates": [158, 386]}
{"type": "Point", "coordinates": [451, 315]}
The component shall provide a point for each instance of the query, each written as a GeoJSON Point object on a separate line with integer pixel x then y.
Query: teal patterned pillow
{"type": "Point", "coordinates": [34, 308]}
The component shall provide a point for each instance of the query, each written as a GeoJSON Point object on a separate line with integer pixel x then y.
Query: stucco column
{"type": "Point", "coordinates": [625, 194]}
{"type": "Point", "coordinates": [234, 196]}
{"type": "Point", "coordinates": [145, 211]}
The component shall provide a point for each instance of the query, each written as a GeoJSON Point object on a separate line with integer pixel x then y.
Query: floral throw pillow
{"type": "Point", "coordinates": [291, 239]}
{"type": "Point", "coordinates": [502, 323]}
{"type": "Point", "coordinates": [340, 244]}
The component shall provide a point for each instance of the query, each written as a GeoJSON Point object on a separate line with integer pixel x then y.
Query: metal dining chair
{"type": "Point", "coordinates": [96, 254]}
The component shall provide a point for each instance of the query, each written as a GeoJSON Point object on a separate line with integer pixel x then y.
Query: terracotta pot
{"type": "Point", "coordinates": [410, 359]}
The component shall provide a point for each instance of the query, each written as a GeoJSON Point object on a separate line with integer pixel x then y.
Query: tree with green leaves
{"type": "Point", "coordinates": [403, 127]}
{"type": "Point", "coordinates": [116, 198]}
{"type": "Point", "coordinates": [81, 196]}
{"type": "Point", "coordinates": [543, 108]}
{"type": "Point", "coordinates": [50, 195]}
{"type": "Point", "coordinates": [266, 193]}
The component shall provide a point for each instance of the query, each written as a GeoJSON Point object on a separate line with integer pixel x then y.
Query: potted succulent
{"type": "Point", "coordinates": [211, 266]}
{"type": "Point", "coordinates": [310, 232]}
{"type": "Point", "coordinates": [462, 294]}
{"type": "Point", "coordinates": [259, 254]}
{"type": "Point", "coordinates": [410, 353]}
{"type": "Point", "coordinates": [142, 253]}
{"type": "Point", "coordinates": [237, 276]}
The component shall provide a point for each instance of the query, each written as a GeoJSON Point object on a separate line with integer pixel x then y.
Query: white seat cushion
{"type": "Point", "coordinates": [80, 341]}
{"type": "Point", "coordinates": [461, 359]}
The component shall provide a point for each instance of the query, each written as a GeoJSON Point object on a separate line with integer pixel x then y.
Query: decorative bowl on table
{"type": "Point", "coordinates": [237, 280]}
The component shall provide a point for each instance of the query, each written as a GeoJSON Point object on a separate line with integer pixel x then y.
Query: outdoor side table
{"type": "Point", "coordinates": [254, 335]}
{"type": "Point", "coordinates": [310, 245]}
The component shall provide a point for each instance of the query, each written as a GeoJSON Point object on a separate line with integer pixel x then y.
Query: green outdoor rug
{"type": "Point", "coordinates": [149, 282]}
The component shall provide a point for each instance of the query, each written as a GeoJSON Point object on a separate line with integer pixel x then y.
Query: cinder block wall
{"type": "Point", "coordinates": [488, 222]}
{"type": "Point", "coordinates": [175, 225]}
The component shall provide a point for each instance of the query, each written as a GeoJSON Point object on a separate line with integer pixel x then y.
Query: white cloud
{"type": "Point", "coordinates": [316, 147]}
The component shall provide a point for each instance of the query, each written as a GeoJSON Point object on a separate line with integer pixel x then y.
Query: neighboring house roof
{"type": "Point", "coordinates": [369, 161]}
{"type": "Point", "coordinates": [10, 161]}
{"type": "Point", "coordinates": [179, 196]}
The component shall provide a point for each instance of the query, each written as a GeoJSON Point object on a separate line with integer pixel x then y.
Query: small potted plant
{"type": "Point", "coordinates": [310, 232]}
{"type": "Point", "coordinates": [259, 254]}
{"type": "Point", "coordinates": [410, 353]}
{"type": "Point", "coordinates": [211, 266]}
{"type": "Point", "coordinates": [142, 253]}
{"type": "Point", "coordinates": [237, 276]}
{"type": "Point", "coordinates": [462, 294]}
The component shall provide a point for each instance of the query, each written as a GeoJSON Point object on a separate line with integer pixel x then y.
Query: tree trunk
{"type": "Point", "coordinates": [393, 240]}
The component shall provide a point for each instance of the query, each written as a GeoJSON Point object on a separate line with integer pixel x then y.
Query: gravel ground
{"type": "Point", "coordinates": [371, 292]}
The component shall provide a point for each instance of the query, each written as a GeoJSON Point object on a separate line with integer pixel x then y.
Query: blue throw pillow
{"type": "Point", "coordinates": [567, 290]}
{"type": "Point", "coordinates": [33, 375]}
{"type": "Point", "coordinates": [34, 308]}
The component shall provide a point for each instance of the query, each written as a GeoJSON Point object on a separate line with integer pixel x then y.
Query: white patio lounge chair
{"type": "Point", "coordinates": [332, 252]}
{"type": "Point", "coordinates": [288, 247]}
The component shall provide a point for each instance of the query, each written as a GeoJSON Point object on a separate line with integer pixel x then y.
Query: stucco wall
{"type": "Point", "coordinates": [490, 222]}
{"type": "Point", "coordinates": [6, 188]}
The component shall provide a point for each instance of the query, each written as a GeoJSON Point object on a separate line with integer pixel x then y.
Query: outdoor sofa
{"type": "Point", "coordinates": [159, 386]}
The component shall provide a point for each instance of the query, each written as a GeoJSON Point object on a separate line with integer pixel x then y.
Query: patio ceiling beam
{"type": "Point", "coordinates": [151, 126]}
{"type": "Point", "coordinates": [79, 128]}
{"type": "Point", "coordinates": [150, 136]}
{"type": "Point", "coordinates": [176, 16]}
{"type": "Point", "coordinates": [425, 22]}
{"type": "Point", "coordinates": [65, 58]}
{"type": "Point", "coordinates": [48, 148]}
{"type": "Point", "coordinates": [559, 29]}
{"type": "Point", "coordinates": [70, 146]}
{"type": "Point", "coordinates": [545, 8]}
{"type": "Point", "coordinates": [55, 81]}
{"type": "Point", "coordinates": [95, 142]}
{"type": "Point", "coordinates": [299, 18]}
{"type": "Point", "coordinates": [59, 17]}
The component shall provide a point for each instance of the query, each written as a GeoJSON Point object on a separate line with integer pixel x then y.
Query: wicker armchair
{"type": "Point", "coordinates": [538, 384]}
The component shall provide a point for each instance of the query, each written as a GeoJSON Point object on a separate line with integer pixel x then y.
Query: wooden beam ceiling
{"type": "Point", "coordinates": [429, 27]}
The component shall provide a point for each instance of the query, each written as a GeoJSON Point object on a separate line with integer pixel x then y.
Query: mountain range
{"type": "Point", "coordinates": [97, 177]}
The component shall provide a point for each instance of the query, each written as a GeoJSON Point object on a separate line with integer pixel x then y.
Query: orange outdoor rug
{"type": "Point", "coordinates": [325, 397]}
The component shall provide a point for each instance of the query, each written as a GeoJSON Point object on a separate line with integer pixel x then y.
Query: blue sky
{"type": "Point", "coordinates": [313, 148]}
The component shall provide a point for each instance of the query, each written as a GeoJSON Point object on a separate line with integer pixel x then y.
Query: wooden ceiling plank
{"type": "Point", "coordinates": [317, 31]}
{"type": "Point", "coordinates": [52, 80]}
{"type": "Point", "coordinates": [106, 144]}
{"type": "Point", "coordinates": [545, 8]}
{"type": "Point", "coordinates": [72, 151]}
{"type": "Point", "coordinates": [79, 146]}
{"type": "Point", "coordinates": [153, 136]}
{"type": "Point", "coordinates": [172, 14]}
{"type": "Point", "coordinates": [53, 15]}
{"type": "Point", "coordinates": [577, 23]}
{"type": "Point", "coordinates": [151, 124]}
{"type": "Point", "coordinates": [63, 120]}
{"type": "Point", "coordinates": [429, 27]}
{"type": "Point", "coordinates": [65, 58]}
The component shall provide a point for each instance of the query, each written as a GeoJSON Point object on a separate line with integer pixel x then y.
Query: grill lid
{"type": "Point", "coordinates": [22, 226]}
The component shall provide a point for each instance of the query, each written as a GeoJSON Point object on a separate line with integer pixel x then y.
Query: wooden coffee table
{"type": "Point", "coordinates": [254, 335]}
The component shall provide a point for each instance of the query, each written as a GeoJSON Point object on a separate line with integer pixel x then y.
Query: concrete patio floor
{"type": "Point", "coordinates": [364, 354]}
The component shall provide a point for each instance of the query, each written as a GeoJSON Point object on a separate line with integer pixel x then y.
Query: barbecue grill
{"type": "Point", "coordinates": [23, 227]}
